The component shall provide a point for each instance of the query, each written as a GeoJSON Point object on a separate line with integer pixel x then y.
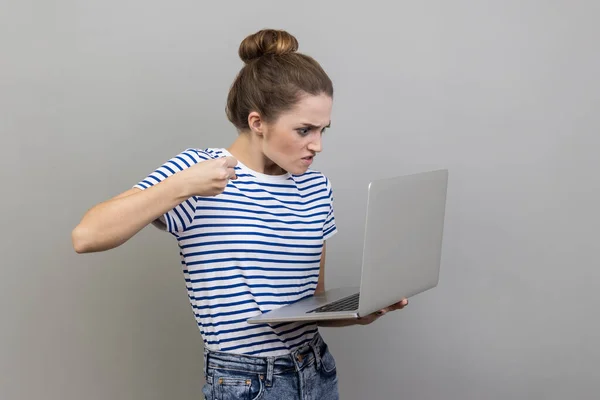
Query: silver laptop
{"type": "Point", "coordinates": [401, 251]}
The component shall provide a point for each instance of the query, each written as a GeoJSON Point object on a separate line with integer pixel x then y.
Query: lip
{"type": "Point", "coordinates": [308, 160]}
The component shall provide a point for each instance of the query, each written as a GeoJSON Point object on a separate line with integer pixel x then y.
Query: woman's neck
{"type": "Point", "coordinates": [247, 149]}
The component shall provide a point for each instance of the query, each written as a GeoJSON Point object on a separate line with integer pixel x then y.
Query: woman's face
{"type": "Point", "coordinates": [294, 139]}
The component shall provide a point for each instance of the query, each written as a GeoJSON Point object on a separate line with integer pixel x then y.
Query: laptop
{"type": "Point", "coordinates": [401, 251]}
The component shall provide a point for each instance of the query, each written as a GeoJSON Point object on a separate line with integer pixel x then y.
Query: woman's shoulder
{"type": "Point", "coordinates": [205, 153]}
{"type": "Point", "coordinates": [193, 155]}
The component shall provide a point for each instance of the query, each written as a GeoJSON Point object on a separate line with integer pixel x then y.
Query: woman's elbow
{"type": "Point", "coordinates": [80, 236]}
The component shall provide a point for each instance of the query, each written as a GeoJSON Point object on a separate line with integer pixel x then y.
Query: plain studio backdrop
{"type": "Point", "coordinates": [505, 94]}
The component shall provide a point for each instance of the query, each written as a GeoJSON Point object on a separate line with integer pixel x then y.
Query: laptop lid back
{"type": "Point", "coordinates": [402, 238]}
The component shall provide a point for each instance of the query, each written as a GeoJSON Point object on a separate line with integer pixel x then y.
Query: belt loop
{"type": "Point", "coordinates": [269, 378]}
{"type": "Point", "coordinates": [317, 352]}
{"type": "Point", "coordinates": [205, 363]}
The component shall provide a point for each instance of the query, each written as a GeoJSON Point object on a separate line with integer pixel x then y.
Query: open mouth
{"type": "Point", "coordinates": [307, 160]}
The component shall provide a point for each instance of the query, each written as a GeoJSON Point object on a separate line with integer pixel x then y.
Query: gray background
{"type": "Point", "coordinates": [95, 95]}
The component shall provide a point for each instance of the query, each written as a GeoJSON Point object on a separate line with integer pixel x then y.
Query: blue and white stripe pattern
{"type": "Point", "coordinates": [255, 247]}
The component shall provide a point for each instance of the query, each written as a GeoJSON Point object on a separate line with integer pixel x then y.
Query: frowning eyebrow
{"type": "Point", "coordinates": [306, 124]}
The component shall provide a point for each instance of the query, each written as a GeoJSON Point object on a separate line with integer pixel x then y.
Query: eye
{"type": "Point", "coordinates": [303, 131]}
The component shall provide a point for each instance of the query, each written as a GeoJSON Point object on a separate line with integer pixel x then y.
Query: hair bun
{"type": "Point", "coordinates": [267, 41]}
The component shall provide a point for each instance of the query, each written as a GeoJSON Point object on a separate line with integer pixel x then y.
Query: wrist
{"type": "Point", "coordinates": [179, 187]}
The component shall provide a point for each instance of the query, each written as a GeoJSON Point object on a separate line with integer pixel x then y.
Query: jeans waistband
{"type": "Point", "coordinates": [267, 366]}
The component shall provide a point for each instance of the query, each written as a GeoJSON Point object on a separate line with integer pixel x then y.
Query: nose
{"type": "Point", "coordinates": [315, 144]}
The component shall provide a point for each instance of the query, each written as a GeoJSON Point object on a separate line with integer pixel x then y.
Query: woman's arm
{"type": "Point", "coordinates": [111, 223]}
{"type": "Point", "coordinates": [321, 282]}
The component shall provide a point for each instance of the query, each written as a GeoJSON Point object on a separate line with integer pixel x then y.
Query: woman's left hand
{"type": "Point", "coordinates": [378, 314]}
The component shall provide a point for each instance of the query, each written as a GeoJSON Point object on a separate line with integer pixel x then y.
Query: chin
{"type": "Point", "coordinates": [296, 170]}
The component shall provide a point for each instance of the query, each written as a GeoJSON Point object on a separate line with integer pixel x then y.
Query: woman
{"type": "Point", "coordinates": [251, 223]}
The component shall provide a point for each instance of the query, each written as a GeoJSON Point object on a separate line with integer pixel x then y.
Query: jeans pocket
{"type": "Point", "coordinates": [207, 391]}
{"type": "Point", "coordinates": [328, 366]}
{"type": "Point", "coordinates": [229, 385]}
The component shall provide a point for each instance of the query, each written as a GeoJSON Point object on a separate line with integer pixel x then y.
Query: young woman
{"type": "Point", "coordinates": [251, 223]}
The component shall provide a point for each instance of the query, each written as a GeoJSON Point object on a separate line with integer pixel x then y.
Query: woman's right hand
{"type": "Point", "coordinates": [208, 178]}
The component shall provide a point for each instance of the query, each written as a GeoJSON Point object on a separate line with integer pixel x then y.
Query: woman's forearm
{"type": "Point", "coordinates": [113, 222]}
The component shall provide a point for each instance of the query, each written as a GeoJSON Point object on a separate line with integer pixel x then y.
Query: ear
{"type": "Point", "coordinates": [256, 123]}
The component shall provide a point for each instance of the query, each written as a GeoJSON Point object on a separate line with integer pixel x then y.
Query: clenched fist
{"type": "Point", "coordinates": [208, 178]}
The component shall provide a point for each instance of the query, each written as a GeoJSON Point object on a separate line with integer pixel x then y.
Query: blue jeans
{"type": "Point", "coordinates": [307, 373]}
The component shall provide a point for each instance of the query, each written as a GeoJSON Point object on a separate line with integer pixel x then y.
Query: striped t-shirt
{"type": "Point", "coordinates": [255, 247]}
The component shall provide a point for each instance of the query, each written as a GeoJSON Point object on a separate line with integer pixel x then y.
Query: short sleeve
{"type": "Point", "coordinates": [329, 227]}
{"type": "Point", "coordinates": [178, 219]}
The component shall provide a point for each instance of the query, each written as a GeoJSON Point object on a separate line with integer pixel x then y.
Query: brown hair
{"type": "Point", "coordinates": [274, 78]}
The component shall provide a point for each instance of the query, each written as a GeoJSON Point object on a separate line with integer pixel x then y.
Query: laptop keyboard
{"type": "Point", "coordinates": [349, 303]}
